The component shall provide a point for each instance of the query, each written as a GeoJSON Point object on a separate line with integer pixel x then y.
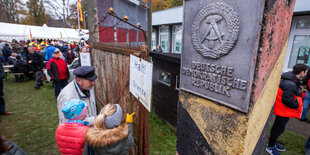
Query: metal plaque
{"type": "Point", "coordinates": [220, 41]}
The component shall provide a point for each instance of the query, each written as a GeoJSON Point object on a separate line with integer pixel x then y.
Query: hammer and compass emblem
{"type": "Point", "coordinates": [215, 30]}
{"type": "Point", "coordinates": [213, 33]}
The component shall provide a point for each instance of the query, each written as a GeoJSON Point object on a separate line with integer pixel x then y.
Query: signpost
{"type": "Point", "coordinates": [140, 84]}
{"type": "Point", "coordinates": [142, 70]}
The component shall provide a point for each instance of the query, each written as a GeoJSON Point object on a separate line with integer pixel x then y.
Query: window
{"type": "Point", "coordinates": [153, 40]}
{"type": "Point", "coordinates": [298, 49]}
{"type": "Point", "coordinates": [303, 23]}
{"type": "Point", "coordinates": [164, 38]}
{"type": "Point", "coordinates": [164, 77]}
{"type": "Point", "coordinates": [177, 82]}
{"type": "Point", "coordinates": [177, 39]}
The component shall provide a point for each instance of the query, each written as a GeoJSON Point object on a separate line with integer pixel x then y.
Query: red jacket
{"type": "Point", "coordinates": [70, 138]}
{"type": "Point", "coordinates": [57, 69]}
{"type": "Point", "coordinates": [282, 110]}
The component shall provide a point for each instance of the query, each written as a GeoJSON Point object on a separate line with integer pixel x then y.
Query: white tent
{"type": "Point", "coordinates": [12, 31]}
{"type": "Point", "coordinates": [22, 32]}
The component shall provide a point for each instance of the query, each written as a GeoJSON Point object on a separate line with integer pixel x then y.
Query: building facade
{"type": "Point", "coordinates": [298, 47]}
{"type": "Point", "coordinates": [167, 32]}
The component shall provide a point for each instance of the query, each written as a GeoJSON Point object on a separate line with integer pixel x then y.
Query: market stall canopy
{"type": "Point", "coordinates": [22, 32]}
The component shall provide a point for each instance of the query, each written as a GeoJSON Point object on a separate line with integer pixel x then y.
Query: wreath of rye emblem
{"type": "Point", "coordinates": [215, 30]}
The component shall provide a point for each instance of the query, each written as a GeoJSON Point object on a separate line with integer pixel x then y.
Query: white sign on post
{"type": "Point", "coordinates": [140, 84]}
{"type": "Point", "coordinates": [85, 59]}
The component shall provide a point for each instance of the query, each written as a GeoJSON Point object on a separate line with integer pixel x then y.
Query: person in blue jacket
{"type": "Point", "coordinates": [49, 52]}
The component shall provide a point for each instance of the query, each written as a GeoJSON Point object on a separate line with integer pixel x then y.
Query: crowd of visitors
{"type": "Point", "coordinates": [78, 117]}
{"type": "Point", "coordinates": [89, 133]}
{"type": "Point", "coordinates": [32, 57]}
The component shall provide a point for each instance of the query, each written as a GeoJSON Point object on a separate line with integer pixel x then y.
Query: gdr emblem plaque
{"type": "Point", "coordinates": [215, 30]}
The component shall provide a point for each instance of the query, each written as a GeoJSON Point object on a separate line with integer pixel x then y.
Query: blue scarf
{"type": "Point", "coordinates": [81, 122]}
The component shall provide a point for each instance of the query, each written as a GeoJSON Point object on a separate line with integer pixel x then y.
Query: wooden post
{"type": "Point", "coordinates": [143, 117]}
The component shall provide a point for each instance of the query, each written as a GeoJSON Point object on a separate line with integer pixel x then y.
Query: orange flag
{"type": "Point", "coordinates": [30, 34]}
{"type": "Point", "coordinates": [80, 10]}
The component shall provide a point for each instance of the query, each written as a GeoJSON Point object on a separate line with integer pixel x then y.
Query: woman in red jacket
{"type": "Point", "coordinates": [70, 135]}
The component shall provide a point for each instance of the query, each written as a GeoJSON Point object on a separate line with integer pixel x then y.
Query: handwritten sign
{"type": "Point", "coordinates": [140, 84]}
{"type": "Point", "coordinates": [85, 59]}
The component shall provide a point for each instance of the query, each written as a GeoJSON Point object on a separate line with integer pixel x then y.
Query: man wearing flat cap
{"type": "Point", "coordinates": [79, 88]}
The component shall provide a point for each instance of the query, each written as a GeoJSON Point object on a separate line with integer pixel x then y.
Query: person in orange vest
{"type": "Point", "coordinates": [32, 43]}
{"type": "Point", "coordinates": [288, 104]}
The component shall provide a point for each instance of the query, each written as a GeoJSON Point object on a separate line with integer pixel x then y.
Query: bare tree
{"type": "Point", "coordinates": [59, 9]}
{"type": "Point", "coordinates": [11, 11]}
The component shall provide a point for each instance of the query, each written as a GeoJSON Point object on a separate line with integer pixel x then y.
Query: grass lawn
{"type": "Point", "coordinates": [293, 143]}
{"type": "Point", "coordinates": [35, 119]}
{"type": "Point", "coordinates": [162, 138]}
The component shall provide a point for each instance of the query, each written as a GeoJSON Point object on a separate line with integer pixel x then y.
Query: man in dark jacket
{"type": "Point", "coordinates": [288, 104]}
{"type": "Point", "coordinates": [35, 61]}
{"type": "Point", "coordinates": [58, 71]}
{"type": "Point", "coordinates": [25, 52]}
{"type": "Point", "coordinates": [20, 66]}
{"type": "Point", "coordinates": [15, 46]}
{"type": "Point", "coordinates": [12, 59]}
{"type": "Point", "coordinates": [6, 52]}
{"type": "Point", "coordinates": [2, 103]}
{"type": "Point", "coordinates": [70, 56]}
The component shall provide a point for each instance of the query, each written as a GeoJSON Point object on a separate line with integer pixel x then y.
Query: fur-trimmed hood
{"type": "Point", "coordinates": [98, 137]}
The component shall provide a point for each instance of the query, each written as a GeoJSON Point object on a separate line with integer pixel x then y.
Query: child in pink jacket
{"type": "Point", "coordinates": [70, 135]}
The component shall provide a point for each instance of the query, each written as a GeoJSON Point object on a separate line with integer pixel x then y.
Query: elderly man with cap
{"type": "Point", "coordinates": [79, 88]}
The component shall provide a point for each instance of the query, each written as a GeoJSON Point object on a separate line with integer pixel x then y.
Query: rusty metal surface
{"type": "Point", "coordinates": [217, 59]}
{"type": "Point", "coordinates": [119, 48]}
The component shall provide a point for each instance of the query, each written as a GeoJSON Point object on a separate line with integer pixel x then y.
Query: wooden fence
{"type": "Point", "coordinates": [112, 63]}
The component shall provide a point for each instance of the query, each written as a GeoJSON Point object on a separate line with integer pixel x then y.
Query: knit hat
{"type": "Point", "coordinates": [114, 120]}
{"type": "Point", "coordinates": [74, 109]}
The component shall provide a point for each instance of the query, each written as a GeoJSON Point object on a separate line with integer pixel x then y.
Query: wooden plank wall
{"type": "Point", "coordinates": [112, 85]}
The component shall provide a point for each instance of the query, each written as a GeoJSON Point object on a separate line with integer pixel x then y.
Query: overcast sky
{"type": "Point", "coordinates": [51, 12]}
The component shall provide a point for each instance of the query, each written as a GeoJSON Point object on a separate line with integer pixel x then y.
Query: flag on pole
{"type": "Point", "coordinates": [30, 34]}
{"type": "Point", "coordinates": [60, 35]}
{"type": "Point", "coordinates": [80, 10]}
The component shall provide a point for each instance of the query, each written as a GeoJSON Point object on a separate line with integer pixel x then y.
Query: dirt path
{"type": "Point", "coordinates": [299, 127]}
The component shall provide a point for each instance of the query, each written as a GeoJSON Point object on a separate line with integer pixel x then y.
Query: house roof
{"type": "Point", "coordinates": [175, 15]}
{"type": "Point", "coordinates": [168, 16]}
